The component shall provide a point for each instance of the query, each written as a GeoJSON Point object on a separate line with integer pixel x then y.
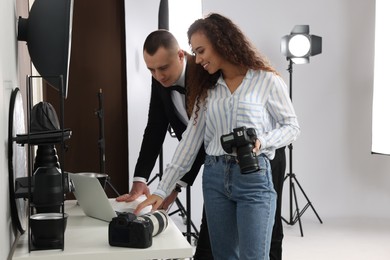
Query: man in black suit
{"type": "Point", "coordinates": [171, 70]}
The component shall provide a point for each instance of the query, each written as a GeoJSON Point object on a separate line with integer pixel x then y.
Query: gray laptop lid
{"type": "Point", "coordinates": [94, 201]}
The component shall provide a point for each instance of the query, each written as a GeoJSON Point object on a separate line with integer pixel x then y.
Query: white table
{"type": "Point", "coordinates": [87, 238]}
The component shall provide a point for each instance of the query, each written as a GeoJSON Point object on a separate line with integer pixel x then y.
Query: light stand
{"type": "Point", "coordinates": [311, 46]}
{"type": "Point", "coordinates": [185, 214]}
{"type": "Point", "coordinates": [102, 144]}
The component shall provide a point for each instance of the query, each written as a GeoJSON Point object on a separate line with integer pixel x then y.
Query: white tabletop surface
{"type": "Point", "coordinates": [87, 238]}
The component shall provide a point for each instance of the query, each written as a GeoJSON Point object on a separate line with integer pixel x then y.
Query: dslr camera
{"type": "Point", "coordinates": [128, 230]}
{"type": "Point", "coordinates": [242, 141]}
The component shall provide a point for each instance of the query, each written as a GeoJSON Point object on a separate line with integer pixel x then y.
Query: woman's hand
{"type": "Point", "coordinates": [168, 201]}
{"type": "Point", "coordinates": [153, 200]}
{"type": "Point", "coordinates": [256, 148]}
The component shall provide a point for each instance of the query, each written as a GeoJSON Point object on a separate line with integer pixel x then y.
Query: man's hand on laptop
{"type": "Point", "coordinates": [139, 188]}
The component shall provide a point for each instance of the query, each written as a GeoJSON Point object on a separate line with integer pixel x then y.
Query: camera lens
{"type": "Point", "coordinates": [247, 159]}
{"type": "Point", "coordinates": [158, 221]}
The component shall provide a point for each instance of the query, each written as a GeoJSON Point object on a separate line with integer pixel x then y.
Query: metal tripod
{"type": "Point", "coordinates": [295, 216]}
{"type": "Point", "coordinates": [185, 214]}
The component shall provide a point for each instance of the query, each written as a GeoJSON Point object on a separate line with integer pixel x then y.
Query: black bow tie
{"type": "Point", "coordinates": [179, 89]}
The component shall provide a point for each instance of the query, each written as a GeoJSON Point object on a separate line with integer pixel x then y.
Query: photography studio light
{"type": "Point", "coordinates": [47, 32]}
{"type": "Point", "coordinates": [300, 45]}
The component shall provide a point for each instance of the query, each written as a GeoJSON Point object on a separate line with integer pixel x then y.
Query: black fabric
{"type": "Point", "coordinates": [203, 247]}
{"type": "Point", "coordinates": [163, 15]}
{"type": "Point", "coordinates": [278, 166]}
{"type": "Point", "coordinates": [179, 89]}
{"type": "Point", "coordinates": [44, 118]}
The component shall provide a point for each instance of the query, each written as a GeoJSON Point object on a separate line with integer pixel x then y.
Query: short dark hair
{"type": "Point", "coordinates": [160, 38]}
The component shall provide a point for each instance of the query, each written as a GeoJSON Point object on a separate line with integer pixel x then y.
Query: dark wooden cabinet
{"type": "Point", "coordinates": [98, 61]}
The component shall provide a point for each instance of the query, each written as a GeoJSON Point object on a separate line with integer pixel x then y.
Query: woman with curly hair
{"type": "Point", "coordinates": [249, 96]}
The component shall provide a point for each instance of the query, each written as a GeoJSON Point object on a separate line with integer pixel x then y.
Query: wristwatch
{"type": "Point", "coordinates": [177, 188]}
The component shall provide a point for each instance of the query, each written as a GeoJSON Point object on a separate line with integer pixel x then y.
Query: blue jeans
{"type": "Point", "coordinates": [240, 208]}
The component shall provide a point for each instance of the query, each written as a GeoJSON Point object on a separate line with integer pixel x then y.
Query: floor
{"type": "Point", "coordinates": [335, 239]}
{"type": "Point", "coordinates": [338, 239]}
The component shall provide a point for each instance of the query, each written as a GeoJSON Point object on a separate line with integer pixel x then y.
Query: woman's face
{"type": "Point", "coordinates": [205, 54]}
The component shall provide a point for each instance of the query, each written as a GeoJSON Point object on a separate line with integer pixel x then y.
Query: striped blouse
{"type": "Point", "coordinates": [261, 102]}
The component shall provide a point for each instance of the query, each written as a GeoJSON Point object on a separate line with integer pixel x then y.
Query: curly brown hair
{"type": "Point", "coordinates": [197, 87]}
{"type": "Point", "coordinates": [230, 43]}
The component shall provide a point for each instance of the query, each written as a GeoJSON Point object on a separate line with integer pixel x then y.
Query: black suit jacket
{"type": "Point", "coordinates": [161, 115]}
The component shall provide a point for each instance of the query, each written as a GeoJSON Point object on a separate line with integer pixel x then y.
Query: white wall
{"type": "Point", "coordinates": [14, 66]}
{"type": "Point", "coordinates": [141, 19]}
{"type": "Point", "coordinates": [8, 81]}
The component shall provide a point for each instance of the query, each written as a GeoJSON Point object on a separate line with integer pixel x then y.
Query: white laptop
{"type": "Point", "coordinates": [93, 199]}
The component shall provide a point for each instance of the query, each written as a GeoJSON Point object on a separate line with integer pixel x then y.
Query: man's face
{"type": "Point", "coordinates": [165, 65]}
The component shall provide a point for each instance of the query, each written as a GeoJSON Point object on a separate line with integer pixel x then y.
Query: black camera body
{"type": "Point", "coordinates": [126, 230]}
{"type": "Point", "coordinates": [242, 140]}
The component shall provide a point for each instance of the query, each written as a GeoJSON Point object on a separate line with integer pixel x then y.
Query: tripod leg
{"type": "Point", "coordinates": [189, 217]}
{"type": "Point", "coordinates": [158, 175]}
{"type": "Point", "coordinates": [308, 201]}
{"type": "Point", "coordinates": [112, 187]}
{"type": "Point", "coordinates": [184, 213]}
{"type": "Point", "coordinates": [298, 214]}
{"type": "Point", "coordinates": [290, 176]}
{"type": "Point", "coordinates": [180, 209]}
{"type": "Point", "coordinates": [188, 204]}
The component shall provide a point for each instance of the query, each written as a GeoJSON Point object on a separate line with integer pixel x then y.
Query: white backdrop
{"type": "Point", "coordinates": [332, 96]}
{"type": "Point", "coordinates": [381, 104]}
{"type": "Point", "coordinates": [141, 19]}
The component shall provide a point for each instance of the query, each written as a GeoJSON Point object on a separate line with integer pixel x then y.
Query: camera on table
{"type": "Point", "coordinates": [242, 140]}
{"type": "Point", "coordinates": [128, 230]}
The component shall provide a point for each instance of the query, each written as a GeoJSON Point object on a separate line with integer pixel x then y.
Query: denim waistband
{"type": "Point", "coordinates": [228, 158]}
